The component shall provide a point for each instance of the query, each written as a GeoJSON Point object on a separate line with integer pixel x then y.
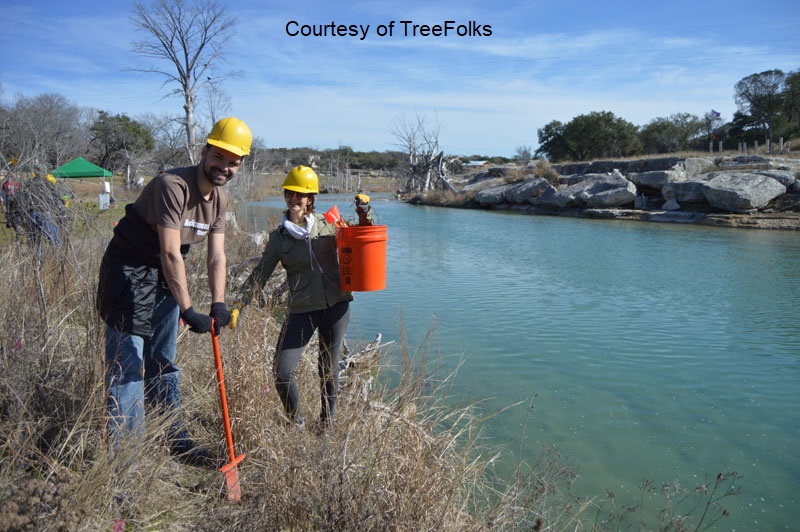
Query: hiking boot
{"type": "Point", "coordinates": [184, 449]}
{"type": "Point", "coordinates": [192, 455]}
{"type": "Point", "coordinates": [199, 457]}
{"type": "Point", "coordinates": [323, 426]}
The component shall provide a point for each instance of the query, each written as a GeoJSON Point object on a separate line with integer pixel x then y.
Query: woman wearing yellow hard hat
{"type": "Point", "coordinates": [305, 244]}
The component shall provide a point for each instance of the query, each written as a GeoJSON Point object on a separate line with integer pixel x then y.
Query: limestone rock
{"type": "Point", "coordinates": [786, 178]}
{"type": "Point", "coordinates": [666, 183]}
{"type": "Point", "coordinates": [602, 191]}
{"type": "Point", "coordinates": [526, 191]}
{"type": "Point", "coordinates": [741, 191]}
{"type": "Point", "coordinates": [552, 199]}
{"type": "Point", "coordinates": [656, 179]}
{"type": "Point", "coordinates": [491, 195]}
{"type": "Point", "coordinates": [689, 191]}
{"type": "Point", "coordinates": [481, 184]}
{"type": "Point", "coordinates": [694, 166]}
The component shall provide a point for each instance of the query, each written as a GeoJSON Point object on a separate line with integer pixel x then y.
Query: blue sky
{"type": "Point", "coordinates": [544, 61]}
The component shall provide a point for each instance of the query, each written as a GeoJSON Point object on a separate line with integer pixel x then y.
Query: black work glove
{"type": "Point", "coordinates": [221, 315]}
{"type": "Point", "coordinates": [198, 323]}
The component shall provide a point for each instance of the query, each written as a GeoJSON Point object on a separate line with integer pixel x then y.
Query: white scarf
{"type": "Point", "coordinates": [303, 233]}
{"type": "Point", "coordinates": [300, 233]}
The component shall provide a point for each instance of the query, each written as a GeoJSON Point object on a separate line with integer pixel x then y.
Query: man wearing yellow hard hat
{"type": "Point", "coordinates": [143, 291]}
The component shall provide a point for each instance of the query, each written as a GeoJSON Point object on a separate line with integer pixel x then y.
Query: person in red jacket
{"type": "Point", "coordinates": [10, 186]}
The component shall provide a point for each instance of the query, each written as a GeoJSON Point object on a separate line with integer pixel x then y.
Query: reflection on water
{"type": "Point", "coordinates": [656, 351]}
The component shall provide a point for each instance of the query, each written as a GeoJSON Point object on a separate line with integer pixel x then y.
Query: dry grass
{"type": "Point", "coordinates": [544, 170]}
{"type": "Point", "coordinates": [396, 459]}
{"type": "Point", "coordinates": [401, 457]}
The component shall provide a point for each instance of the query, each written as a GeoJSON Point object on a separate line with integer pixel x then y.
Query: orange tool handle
{"type": "Point", "coordinates": [222, 395]}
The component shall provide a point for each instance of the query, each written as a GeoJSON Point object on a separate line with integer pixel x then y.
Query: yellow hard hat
{"type": "Point", "coordinates": [51, 178]}
{"type": "Point", "coordinates": [302, 179]}
{"type": "Point", "coordinates": [231, 134]}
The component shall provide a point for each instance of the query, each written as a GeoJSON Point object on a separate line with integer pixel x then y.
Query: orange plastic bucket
{"type": "Point", "coordinates": [362, 257]}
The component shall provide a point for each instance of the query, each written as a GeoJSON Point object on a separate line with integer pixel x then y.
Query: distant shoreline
{"type": "Point", "coordinates": [786, 221]}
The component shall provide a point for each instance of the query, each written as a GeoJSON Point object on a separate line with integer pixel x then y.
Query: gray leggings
{"type": "Point", "coordinates": [296, 333]}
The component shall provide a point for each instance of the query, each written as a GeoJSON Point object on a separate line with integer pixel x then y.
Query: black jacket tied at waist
{"type": "Point", "coordinates": [130, 278]}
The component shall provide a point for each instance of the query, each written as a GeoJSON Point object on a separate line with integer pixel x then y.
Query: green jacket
{"type": "Point", "coordinates": [310, 288]}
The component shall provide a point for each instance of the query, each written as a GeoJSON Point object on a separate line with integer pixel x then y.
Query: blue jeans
{"type": "Point", "coordinates": [139, 367]}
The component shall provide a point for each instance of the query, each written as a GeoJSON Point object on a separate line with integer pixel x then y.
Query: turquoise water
{"type": "Point", "coordinates": [665, 352]}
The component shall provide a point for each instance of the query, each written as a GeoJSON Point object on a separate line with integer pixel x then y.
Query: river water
{"type": "Point", "coordinates": [657, 351]}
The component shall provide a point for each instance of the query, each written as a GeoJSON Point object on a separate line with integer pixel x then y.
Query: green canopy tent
{"type": "Point", "coordinates": [80, 167]}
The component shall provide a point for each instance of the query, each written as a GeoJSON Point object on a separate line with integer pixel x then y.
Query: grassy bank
{"type": "Point", "coordinates": [400, 457]}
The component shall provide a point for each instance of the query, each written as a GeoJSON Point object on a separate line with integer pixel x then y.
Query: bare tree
{"type": "Point", "coordinates": [187, 36]}
{"type": "Point", "coordinates": [42, 132]}
{"type": "Point", "coordinates": [523, 154]}
{"type": "Point", "coordinates": [427, 164]}
{"type": "Point", "coordinates": [217, 101]}
{"type": "Point", "coordinates": [247, 182]}
{"type": "Point", "coordinates": [340, 167]}
{"type": "Point", "coordinates": [169, 136]}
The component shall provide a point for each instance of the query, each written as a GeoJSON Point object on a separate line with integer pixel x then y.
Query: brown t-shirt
{"type": "Point", "coordinates": [174, 201]}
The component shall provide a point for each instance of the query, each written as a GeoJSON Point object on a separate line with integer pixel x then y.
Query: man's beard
{"type": "Point", "coordinates": [216, 176]}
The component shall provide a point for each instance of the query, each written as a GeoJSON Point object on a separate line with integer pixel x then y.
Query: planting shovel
{"type": "Point", "coordinates": [230, 469]}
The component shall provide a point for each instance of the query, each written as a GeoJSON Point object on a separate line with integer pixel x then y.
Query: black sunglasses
{"type": "Point", "coordinates": [290, 193]}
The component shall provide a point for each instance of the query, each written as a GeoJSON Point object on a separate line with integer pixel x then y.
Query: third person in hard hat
{"type": "Point", "coordinates": [143, 290]}
{"type": "Point", "coordinates": [305, 244]}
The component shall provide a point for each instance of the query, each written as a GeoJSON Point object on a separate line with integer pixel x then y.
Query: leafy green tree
{"type": "Point", "coordinates": [552, 143]}
{"type": "Point", "coordinates": [744, 128]}
{"type": "Point", "coordinates": [660, 135]}
{"type": "Point", "coordinates": [791, 102]}
{"type": "Point", "coordinates": [116, 137]}
{"type": "Point", "coordinates": [120, 141]}
{"type": "Point", "coordinates": [601, 135]}
{"type": "Point", "coordinates": [669, 135]}
{"type": "Point", "coordinates": [590, 136]}
{"type": "Point", "coordinates": [760, 96]}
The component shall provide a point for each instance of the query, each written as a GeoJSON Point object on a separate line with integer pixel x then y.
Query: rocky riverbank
{"type": "Point", "coordinates": [758, 220]}
{"type": "Point", "coordinates": [740, 191]}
